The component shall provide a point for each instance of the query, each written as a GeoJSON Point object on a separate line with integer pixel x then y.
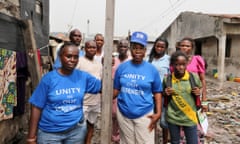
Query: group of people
{"type": "Point", "coordinates": [66, 103]}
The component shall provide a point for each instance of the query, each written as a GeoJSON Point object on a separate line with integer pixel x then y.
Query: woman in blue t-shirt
{"type": "Point", "coordinates": [136, 84]}
{"type": "Point", "coordinates": [56, 112]}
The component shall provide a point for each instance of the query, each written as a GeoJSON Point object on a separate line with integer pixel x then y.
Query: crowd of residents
{"type": "Point", "coordinates": [66, 104]}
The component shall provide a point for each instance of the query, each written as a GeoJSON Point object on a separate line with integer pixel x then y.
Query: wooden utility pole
{"type": "Point", "coordinates": [32, 57]}
{"type": "Point", "coordinates": [107, 89]}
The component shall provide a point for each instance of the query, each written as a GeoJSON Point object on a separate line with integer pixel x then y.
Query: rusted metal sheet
{"type": "Point", "coordinates": [11, 36]}
{"type": "Point", "coordinates": [38, 12]}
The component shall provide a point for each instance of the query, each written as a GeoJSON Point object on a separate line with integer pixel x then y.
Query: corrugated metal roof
{"type": "Point", "coordinates": [59, 35]}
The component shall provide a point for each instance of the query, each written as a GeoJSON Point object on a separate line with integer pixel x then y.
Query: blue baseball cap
{"type": "Point", "coordinates": [140, 38]}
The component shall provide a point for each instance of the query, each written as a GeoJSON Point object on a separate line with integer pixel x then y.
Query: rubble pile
{"type": "Point", "coordinates": [224, 113]}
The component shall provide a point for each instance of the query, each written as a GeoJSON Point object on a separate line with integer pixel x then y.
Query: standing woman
{"type": "Point", "coordinates": [136, 83]}
{"type": "Point", "coordinates": [57, 102]}
{"type": "Point", "coordinates": [195, 64]}
{"type": "Point", "coordinates": [160, 60]}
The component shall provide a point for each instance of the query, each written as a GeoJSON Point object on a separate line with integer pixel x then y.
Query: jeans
{"type": "Point", "coordinates": [74, 135]}
{"type": "Point", "coordinates": [190, 133]}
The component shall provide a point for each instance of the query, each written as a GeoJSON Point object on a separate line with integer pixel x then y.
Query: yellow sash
{"type": "Point", "coordinates": [181, 103]}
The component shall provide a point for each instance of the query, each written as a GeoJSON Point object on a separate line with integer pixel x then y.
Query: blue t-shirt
{"type": "Point", "coordinates": [61, 99]}
{"type": "Point", "coordinates": [136, 84]}
{"type": "Point", "coordinates": [162, 65]}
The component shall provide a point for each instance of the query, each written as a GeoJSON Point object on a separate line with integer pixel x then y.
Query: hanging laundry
{"type": "Point", "coordinates": [8, 75]}
{"type": "Point", "coordinates": [22, 75]}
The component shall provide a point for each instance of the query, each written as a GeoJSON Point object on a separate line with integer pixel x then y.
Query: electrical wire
{"type": "Point", "coordinates": [73, 15]}
{"type": "Point", "coordinates": [166, 12]}
{"type": "Point", "coordinates": [172, 6]}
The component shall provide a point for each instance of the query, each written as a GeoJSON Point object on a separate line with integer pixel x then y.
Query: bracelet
{"type": "Point", "coordinates": [32, 139]}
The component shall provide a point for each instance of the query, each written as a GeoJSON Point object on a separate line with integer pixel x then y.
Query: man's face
{"type": "Point", "coordinates": [100, 41]}
{"type": "Point", "coordinates": [123, 48]}
{"type": "Point", "coordinates": [90, 49]}
{"type": "Point", "coordinates": [76, 37]}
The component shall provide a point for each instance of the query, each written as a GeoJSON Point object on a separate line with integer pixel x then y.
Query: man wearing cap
{"type": "Point", "coordinates": [136, 83]}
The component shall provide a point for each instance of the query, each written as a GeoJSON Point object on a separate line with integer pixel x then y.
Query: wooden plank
{"type": "Point", "coordinates": [31, 49]}
{"type": "Point", "coordinates": [107, 90]}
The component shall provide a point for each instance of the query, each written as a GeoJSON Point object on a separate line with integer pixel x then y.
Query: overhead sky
{"type": "Point", "coordinates": [150, 16]}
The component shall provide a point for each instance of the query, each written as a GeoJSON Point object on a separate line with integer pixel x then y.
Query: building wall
{"type": "Point", "coordinates": [196, 25]}
{"type": "Point", "coordinates": [208, 29]}
{"type": "Point", "coordinates": [12, 14]}
{"type": "Point", "coordinates": [232, 64]}
{"type": "Point", "coordinates": [10, 8]}
{"type": "Point", "coordinates": [209, 52]}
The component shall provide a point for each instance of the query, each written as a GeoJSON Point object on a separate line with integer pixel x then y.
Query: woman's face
{"type": "Point", "coordinates": [186, 47]}
{"type": "Point", "coordinates": [160, 48]}
{"type": "Point", "coordinates": [69, 57]}
{"type": "Point", "coordinates": [138, 52]}
{"type": "Point", "coordinates": [180, 66]}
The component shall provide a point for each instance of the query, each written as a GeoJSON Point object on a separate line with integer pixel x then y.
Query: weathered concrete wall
{"type": "Point", "coordinates": [210, 49]}
{"type": "Point", "coordinates": [171, 40]}
{"type": "Point", "coordinates": [232, 29]}
{"type": "Point", "coordinates": [232, 64]}
{"type": "Point", "coordinates": [208, 29]}
{"type": "Point", "coordinates": [187, 25]}
{"type": "Point", "coordinates": [196, 25]}
{"type": "Point", "coordinates": [209, 52]}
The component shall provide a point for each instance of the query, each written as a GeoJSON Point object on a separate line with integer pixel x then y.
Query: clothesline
{"type": "Point", "coordinates": [46, 46]}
